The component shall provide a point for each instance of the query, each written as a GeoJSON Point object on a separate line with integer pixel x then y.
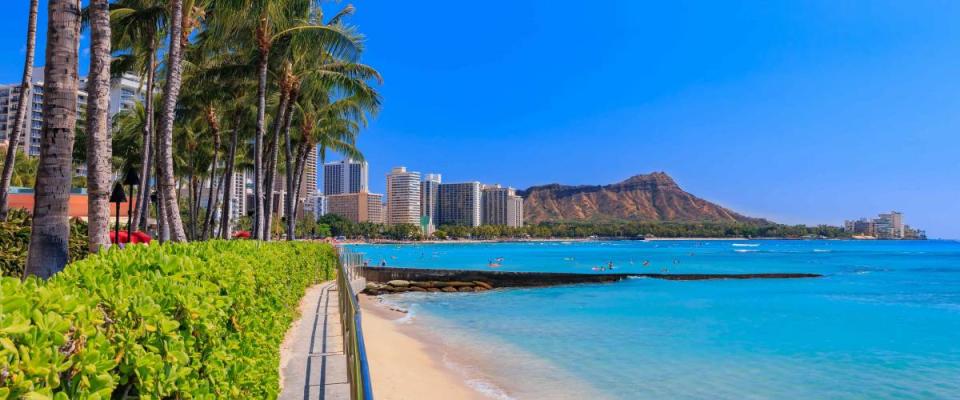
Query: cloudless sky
{"type": "Point", "coordinates": [800, 112]}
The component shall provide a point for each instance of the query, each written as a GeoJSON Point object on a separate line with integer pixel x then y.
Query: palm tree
{"type": "Point", "coordinates": [138, 26]}
{"type": "Point", "coordinates": [99, 150]}
{"type": "Point", "coordinates": [51, 227]}
{"type": "Point", "coordinates": [21, 116]}
{"type": "Point", "coordinates": [213, 194]}
{"type": "Point", "coordinates": [313, 75]}
{"type": "Point", "coordinates": [287, 18]}
{"type": "Point", "coordinates": [171, 91]}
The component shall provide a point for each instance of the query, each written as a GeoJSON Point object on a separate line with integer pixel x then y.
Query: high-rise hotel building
{"type": "Point", "coordinates": [459, 204]}
{"type": "Point", "coordinates": [429, 200]}
{"type": "Point", "coordinates": [345, 192]}
{"type": "Point", "coordinates": [501, 206]}
{"type": "Point", "coordinates": [346, 176]}
{"type": "Point", "coordinates": [403, 197]}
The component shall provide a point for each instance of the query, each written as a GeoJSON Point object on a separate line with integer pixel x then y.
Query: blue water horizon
{"type": "Point", "coordinates": [882, 323]}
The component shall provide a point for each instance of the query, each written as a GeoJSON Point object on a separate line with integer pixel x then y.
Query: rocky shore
{"type": "Point", "coordinates": [401, 286]}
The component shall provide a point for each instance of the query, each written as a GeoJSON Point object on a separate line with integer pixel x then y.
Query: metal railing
{"type": "Point", "coordinates": [358, 371]}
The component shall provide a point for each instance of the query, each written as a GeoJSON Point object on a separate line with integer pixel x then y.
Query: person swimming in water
{"type": "Point", "coordinates": [646, 263]}
{"type": "Point", "coordinates": [383, 262]}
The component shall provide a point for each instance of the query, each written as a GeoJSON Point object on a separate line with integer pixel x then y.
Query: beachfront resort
{"type": "Point", "coordinates": [312, 199]}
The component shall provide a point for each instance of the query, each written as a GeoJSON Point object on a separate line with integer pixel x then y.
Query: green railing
{"type": "Point", "coordinates": [358, 371]}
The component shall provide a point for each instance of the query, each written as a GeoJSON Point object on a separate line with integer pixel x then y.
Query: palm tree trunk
{"type": "Point", "coordinates": [289, 201]}
{"type": "Point", "coordinates": [162, 231]}
{"type": "Point", "coordinates": [99, 149]}
{"type": "Point", "coordinates": [212, 194]}
{"type": "Point", "coordinates": [171, 92]}
{"type": "Point", "coordinates": [143, 197]}
{"type": "Point", "coordinates": [258, 176]}
{"type": "Point", "coordinates": [302, 154]}
{"type": "Point", "coordinates": [50, 232]}
{"type": "Point", "coordinates": [228, 182]}
{"type": "Point", "coordinates": [25, 101]}
{"type": "Point", "coordinates": [268, 183]}
{"type": "Point", "coordinates": [192, 186]}
{"type": "Point", "coordinates": [271, 170]}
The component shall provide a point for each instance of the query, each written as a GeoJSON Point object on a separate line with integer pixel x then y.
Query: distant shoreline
{"type": "Point", "coordinates": [605, 239]}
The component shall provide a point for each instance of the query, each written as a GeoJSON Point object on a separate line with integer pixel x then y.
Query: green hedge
{"type": "Point", "coordinates": [15, 237]}
{"type": "Point", "coordinates": [182, 321]}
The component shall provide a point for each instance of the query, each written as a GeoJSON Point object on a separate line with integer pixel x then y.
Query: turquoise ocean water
{"type": "Point", "coordinates": [884, 322]}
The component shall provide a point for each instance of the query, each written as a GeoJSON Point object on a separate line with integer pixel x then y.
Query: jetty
{"type": "Point", "coordinates": [382, 280]}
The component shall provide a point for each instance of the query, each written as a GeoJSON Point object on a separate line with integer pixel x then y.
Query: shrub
{"type": "Point", "coordinates": [197, 320]}
{"type": "Point", "coordinates": [15, 237]}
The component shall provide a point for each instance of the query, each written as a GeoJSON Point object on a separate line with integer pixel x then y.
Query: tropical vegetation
{"type": "Point", "coordinates": [179, 321]}
{"type": "Point", "coordinates": [231, 85]}
{"type": "Point", "coordinates": [339, 226]}
{"type": "Point", "coordinates": [15, 238]}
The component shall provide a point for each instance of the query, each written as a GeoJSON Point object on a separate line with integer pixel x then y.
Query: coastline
{"type": "Point", "coordinates": [402, 365]}
{"type": "Point", "coordinates": [409, 360]}
{"type": "Point", "coordinates": [584, 240]}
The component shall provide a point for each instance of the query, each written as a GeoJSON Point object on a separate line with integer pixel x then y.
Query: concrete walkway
{"type": "Point", "coordinates": [312, 359]}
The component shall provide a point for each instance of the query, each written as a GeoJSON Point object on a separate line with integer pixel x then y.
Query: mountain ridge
{"type": "Point", "coordinates": [653, 197]}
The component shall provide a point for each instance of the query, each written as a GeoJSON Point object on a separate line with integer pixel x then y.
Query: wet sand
{"type": "Point", "coordinates": [403, 366]}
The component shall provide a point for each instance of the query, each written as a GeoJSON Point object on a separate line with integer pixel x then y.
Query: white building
{"type": "Point", "coordinates": [10, 100]}
{"type": "Point", "coordinates": [403, 197]}
{"type": "Point", "coordinates": [125, 92]}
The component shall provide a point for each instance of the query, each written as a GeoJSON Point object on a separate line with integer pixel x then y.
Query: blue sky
{"type": "Point", "coordinates": [801, 112]}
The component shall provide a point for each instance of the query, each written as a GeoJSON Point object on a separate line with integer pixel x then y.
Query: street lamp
{"type": "Point", "coordinates": [131, 180]}
{"type": "Point", "coordinates": [117, 196]}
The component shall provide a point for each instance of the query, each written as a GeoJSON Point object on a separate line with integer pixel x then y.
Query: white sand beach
{"type": "Point", "coordinates": [402, 366]}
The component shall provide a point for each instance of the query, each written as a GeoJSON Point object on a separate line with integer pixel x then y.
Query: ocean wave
{"type": "Point", "coordinates": [469, 375]}
{"type": "Point", "coordinates": [745, 251]}
{"type": "Point", "coordinates": [868, 270]}
{"type": "Point", "coordinates": [409, 311]}
{"type": "Point", "coordinates": [745, 245]}
{"type": "Point", "coordinates": [822, 251]}
{"type": "Point", "coordinates": [488, 389]}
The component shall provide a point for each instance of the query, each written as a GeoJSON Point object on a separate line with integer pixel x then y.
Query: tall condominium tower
{"type": "Point", "coordinates": [515, 211]}
{"type": "Point", "coordinates": [33, 124]}
{"type": "Point", "coordinates": [429, 201]}
{"type": "Point", "coordinates": [346, 176]}
{"type": "Point", "coordinates": [308, 185]}
{"type": "Point", "coordinates": [403, 197]}
{"type": "Point", "coordinates": [501, 206]}
{"type": "Point", "coordinates": [459, 204]}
